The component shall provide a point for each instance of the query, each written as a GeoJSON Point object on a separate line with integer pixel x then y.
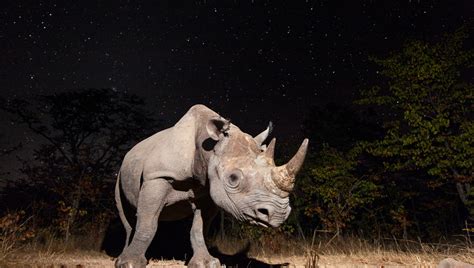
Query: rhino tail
{"type": "Point", "coordinates": [120, 208]}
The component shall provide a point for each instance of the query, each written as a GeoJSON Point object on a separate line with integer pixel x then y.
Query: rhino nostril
{"type": "Point", "coordinates": [263, 211]}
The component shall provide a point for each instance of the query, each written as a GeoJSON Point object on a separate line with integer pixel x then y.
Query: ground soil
{"type": "Point", "coordinates": [96, 259]}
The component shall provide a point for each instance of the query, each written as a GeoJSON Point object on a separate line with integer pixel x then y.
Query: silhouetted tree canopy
{"type": "Point", "coordinates": [401, 163]}
{"type": "Point", "coordinates": [85, 135]}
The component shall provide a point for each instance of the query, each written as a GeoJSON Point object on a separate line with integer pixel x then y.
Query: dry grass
{"type": "Point", "coordinates": [275, 249]}
{"type": "Point", "coordinates": [79, 259]}
{"type": "Point", "coordinates": [13, 230]}
{"type": "Point", "coordinates": [352, 252]}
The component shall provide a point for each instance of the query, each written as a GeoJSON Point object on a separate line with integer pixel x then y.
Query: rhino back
{"type": "Point", "coordinates": [172, 153]}
{"type": "Point", "coordinates": [168, 153]}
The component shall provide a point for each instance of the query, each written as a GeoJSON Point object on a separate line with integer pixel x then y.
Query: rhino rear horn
{"type": "Point", "coordinates": [270, 151]}
{"type": "Point", "coordinates": [294, 165]}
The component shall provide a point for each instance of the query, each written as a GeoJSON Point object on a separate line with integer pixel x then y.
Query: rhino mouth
{"type": "Point", "coordinates": [256, 221]}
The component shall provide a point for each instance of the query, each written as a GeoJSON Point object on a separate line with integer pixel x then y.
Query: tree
{"type": "Point", "coordinates": [334, 191]}
{"type": "Point", "coordinates": [5, 151]}
{"type": "Point", "coordinates": [85, 135]}
{"type": "Point", "coordinates": [427, 107]}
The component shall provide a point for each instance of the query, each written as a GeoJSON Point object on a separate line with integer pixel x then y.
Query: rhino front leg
{"type": "Point", "coordinates": [151, 200]}
{"type": "Point", "coordinates": [201, 257]}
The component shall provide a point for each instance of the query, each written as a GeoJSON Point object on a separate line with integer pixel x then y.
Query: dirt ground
{"type": "Point", "coordinates": [95, 259]}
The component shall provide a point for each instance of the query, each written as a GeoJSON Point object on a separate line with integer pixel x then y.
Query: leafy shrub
{"type": "Point", "coordinates": [14, 229]}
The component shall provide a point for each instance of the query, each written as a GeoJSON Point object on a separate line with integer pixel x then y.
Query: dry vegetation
{"type": "Point", "coordinates": [321, 252]}
{"type": "Point", "coordinates": [355, 252]}
{"type": "Point", "coordinates": [20, 247]}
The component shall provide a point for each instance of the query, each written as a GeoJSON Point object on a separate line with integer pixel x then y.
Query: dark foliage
{"type": "Point", "coordinates": [71, 177]}
{"type": "Point", "coordinates": [404, 168]}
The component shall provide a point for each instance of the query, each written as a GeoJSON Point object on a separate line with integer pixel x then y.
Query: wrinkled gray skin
{"type": "Point", "coordinates": [201, 163]}
{"type": "Point", "coordinates": [452, 263]}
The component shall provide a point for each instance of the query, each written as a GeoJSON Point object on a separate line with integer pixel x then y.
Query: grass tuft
{"type": "Point", "coordinates": [272, 248]}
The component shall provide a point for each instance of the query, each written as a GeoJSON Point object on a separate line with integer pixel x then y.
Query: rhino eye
{"type": "Point", "coordinates": [234, 179]}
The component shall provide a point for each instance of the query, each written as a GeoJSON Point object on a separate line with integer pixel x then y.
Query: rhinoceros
{"type": "Point", "coordinates": [199, 165]}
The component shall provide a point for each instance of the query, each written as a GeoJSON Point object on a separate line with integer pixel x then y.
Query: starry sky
{"type": "Point", "coordinates": [251, 61]}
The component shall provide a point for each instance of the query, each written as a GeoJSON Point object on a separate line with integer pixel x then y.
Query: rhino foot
{"type": "Point", "coordinates": [204, 262]}
{"type": "Point", "coordinates": [130, 262]}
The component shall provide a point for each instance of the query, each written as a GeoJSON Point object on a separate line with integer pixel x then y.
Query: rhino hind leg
{"type": "Point", "coordinates": [201, 257]}
{"type": "Point", "coordinates": [151, 201]}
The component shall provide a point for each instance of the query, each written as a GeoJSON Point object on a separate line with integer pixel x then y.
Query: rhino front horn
{"type": "Point", "coordinates": [284, 176]}
{"type": "Point", "coordinates": [294, 165]}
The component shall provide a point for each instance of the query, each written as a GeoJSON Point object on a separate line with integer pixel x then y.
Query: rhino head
{"type": "Point", "coordinates": [245, 181]}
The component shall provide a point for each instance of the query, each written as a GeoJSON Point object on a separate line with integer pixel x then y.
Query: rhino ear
{"type": "Point", "coordinates": [216, 127]}
{"type": "Point", "coordinates": [260, 138]}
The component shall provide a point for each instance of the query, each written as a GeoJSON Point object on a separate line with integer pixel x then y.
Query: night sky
{"type": "Point", "coordinates": [251, 61]}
